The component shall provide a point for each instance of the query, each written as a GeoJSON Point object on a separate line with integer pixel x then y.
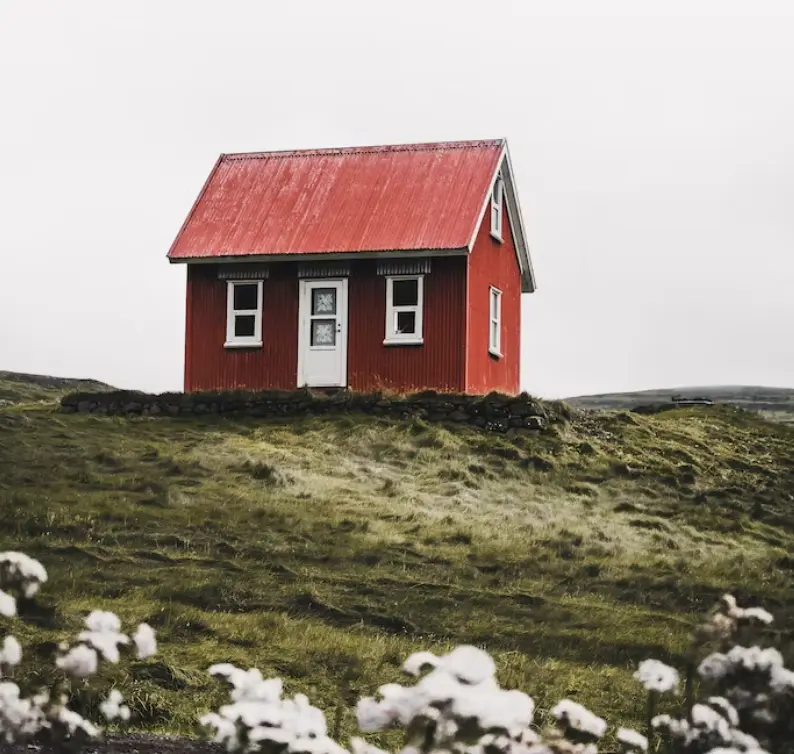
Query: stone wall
{"type": "Point", "coordinates": [493, 412]}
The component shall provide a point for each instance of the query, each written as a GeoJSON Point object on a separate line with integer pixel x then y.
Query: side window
{"type": "Point", "coordinates": [495, 323]}
{"type": "Point", "coordinates": [404, 303]}
{"type": "Point", "coordinates": [497, 208]}
{"type": "Point", "coordinates": [243, 313]}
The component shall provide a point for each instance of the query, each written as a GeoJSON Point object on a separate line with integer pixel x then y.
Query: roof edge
{"type": "Point", "coordinates": [407, 147]}
{"type": "Point", "coordinates": [514, 216]}
{"type": "Point", "coordinates": [304, 255]}
{"type": "Point", "coordinates": [195, 204]}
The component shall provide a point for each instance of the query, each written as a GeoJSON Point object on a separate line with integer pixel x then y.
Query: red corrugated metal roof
{"type": "Point", "coordinates": [389, 198]}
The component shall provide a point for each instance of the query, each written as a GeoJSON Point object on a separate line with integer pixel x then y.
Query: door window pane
{"type": "Point", "coordinates": [323, 332]}
{"type": "Point", "coordinates": [245, 298]}
{"type": "Point", "coordinates": [244, 325]}
{"type": "Point", "coordinates": [324, 301]}
{"type": "Point", "coordinates": [405, 292]}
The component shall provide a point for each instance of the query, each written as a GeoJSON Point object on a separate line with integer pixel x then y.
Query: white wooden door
{"type": "Point", "coordinates": [322, 333]}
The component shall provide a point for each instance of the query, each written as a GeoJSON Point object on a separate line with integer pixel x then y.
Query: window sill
{"type": "Point", "coordinates": [403, 341]}
{"type": "Point", "coordinates": [495, 353]}
{"type": "Point", "coordinates": [497, 236]}
{"type": "Point", "coordinates": [234, 344]}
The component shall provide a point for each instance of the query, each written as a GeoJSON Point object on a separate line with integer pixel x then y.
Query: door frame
{"type": "Point", "coordinates": [304, 307]}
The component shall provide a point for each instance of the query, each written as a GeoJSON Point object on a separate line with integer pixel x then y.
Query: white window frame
{"type": "Point", "coordinates": [236, 341]}
{"type": "Point", "coordinates": [497, 208]}
{"type": "Point", "coordinates": [393, 338]}
{"type": "Point", "coordinates": [495, 321]}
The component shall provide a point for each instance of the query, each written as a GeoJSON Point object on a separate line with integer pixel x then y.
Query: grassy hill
{"type": "Point", "coordinates": [325, 550]}
{"type": "Point", "coordinates": [774, 403]}
{"type": "Point", "coordinates": [16, 387]}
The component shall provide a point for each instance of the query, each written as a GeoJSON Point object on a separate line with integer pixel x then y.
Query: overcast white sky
{"type": "Point", "coordinates": [653, 144]}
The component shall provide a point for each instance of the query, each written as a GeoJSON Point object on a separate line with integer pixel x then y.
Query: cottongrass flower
{"type": "Point", "coordinates": [460, 690]}
{"type": "Point", "coordinates": [21, 572]}
{"type": "Point", "coordinates": [11, 653]}
{"type": "Point", "coordinates": [575, 717]}
{"type": "Point", "coordinates": [259, 716]}
{"type": "Point", "coordinates": [113, 707]}
{"type": "Point", "coordinates": [145, 641]}
{"type": "Point", "coordinates": [656, 676]}
{"type": "Point", "coordinates": [104, 634]}
{"type": "Point", "coordinates": [632, 740]}
{"type": "Point", "coordinates": [79, 662]}
{"type": "Point", "coordinates": [8, 605]}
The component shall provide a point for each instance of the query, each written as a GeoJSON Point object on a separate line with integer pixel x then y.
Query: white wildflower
{"type": "Point", "coordinates": [103, 621]}
{"type": "Point", "coordinates": [708, 718]}
{"type": "Point", "coordinates": [632, 739]}
{"type": "Point", "coordinates": [656, 676]}
{"type": "Point", "coordinates": [21, 571]}
{"type": "Point", "coordinates": [248, 684]}
{"type": "Point", "coordinates": [225, 730]}
{"type": "Point", "coordinates": [759, 614]}
{"type": "Point", "coordinates": [75, 722]}
{"type": "Point", "coordinates": [755, 658]}
{"type": "Point", "coordinates": [725, 708]}
{"type": "Point", "coordinates": [145, 641]}
{"type": "Point", "coordinates": [494, 709]}
{"type": "Point", "coordinates": [360, 746]}
{"type": "Point", "coordinates": [420, 661]}
{"type": "Point", "coordinates": [11, 653]}
{"type": "Point", "coordinates": [104, 634]}
{"type": "Point", "coordinates": [575, 716]}
{"type": "Point", "coordinates": [113, 707]}
{"type": "Point", "coordinates": [469, 665]}
{"type": "Point", "coordinates": [8, 605]}
{"type": "Point", "coordinates": [714, 667]}
{"type": "Point", "coordinates": [79, 662]}
{"type": "Point", "coordinates": [19, 717]}
{"type": "Point", "coordinates": [373, 715]}
{"type": "Point", "coordinates": [782, 680]}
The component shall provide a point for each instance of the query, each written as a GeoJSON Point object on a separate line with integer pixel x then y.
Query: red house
{"type": "Point", "coordinates": [393, 267]}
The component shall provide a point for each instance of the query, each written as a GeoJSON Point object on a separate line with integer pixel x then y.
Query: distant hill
{"type": "Point", "coordinates": [774, 403]}
{"type": "Point", "coordinates": [17, 387]}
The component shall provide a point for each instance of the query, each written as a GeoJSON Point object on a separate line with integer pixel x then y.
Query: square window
{"type": "Point", "coordinates": [323, 332]}
{"type": "Point", "coordinates": [244, 326]}
{"type": "Point", "coordinates": [246, 297]}
{"type": "Point", "coordinates": [243, 314]}
{"type": "Point", "coordinates": [405, 292]}
{"type": "Point", "coordinates": [324, 301]}
{"type": "Point", "coordinates": [404, 304]}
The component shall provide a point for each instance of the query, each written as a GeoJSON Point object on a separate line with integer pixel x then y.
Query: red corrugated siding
{"type": "Point", "coordinates": [437, 364]}
{"type": "Point", "coordinates": [493, 264]}
{"type": "Point", "coordinates": [418, 196]}
{"type": "Point", "coordinates": [210, 366]}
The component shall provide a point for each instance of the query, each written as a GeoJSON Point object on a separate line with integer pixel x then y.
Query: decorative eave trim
{"type": "Point", "coordinates": [323, 270]}
{"type": "Point", "coordinates": [514, 217]}
{"type": "Point", "coordinates": [243, 272]}
{"type": "Point", "coordinates": [404, 267]}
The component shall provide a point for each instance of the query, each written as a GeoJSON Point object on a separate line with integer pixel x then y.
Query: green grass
{"type": "Point", "coordinates": [325, 550]}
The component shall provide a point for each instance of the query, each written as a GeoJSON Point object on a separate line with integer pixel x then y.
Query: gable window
{"type": "Point", "coordinates": [495, 322]}
{"type": "Point", "coordinates": [497, 208]}
{"type": "Point", "coordinates": [404, 309]}
{"type": "Point", "coordinates": [243, 313]}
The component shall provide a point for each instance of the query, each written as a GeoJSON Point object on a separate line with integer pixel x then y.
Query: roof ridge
{"type": "Point", "coordinates": [411, 147]}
